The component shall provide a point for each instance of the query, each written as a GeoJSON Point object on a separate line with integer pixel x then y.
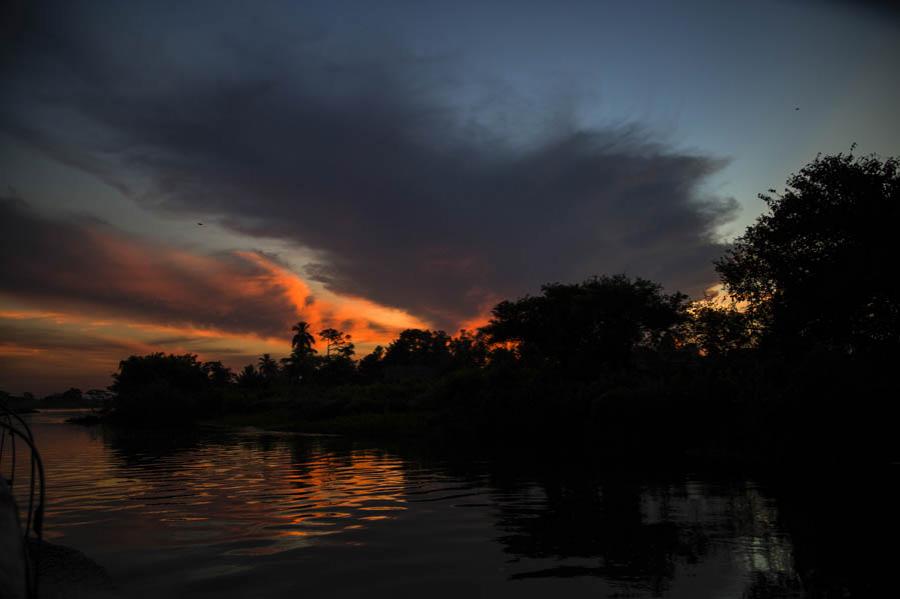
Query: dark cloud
{"type": "Point", "coordinates": [883, 8]}
{"type": "Point", "coordinates": [362, 152]}
{"type": "Point", "coordinates": [84, 265]}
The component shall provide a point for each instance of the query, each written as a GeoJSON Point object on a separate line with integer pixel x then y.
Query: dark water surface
{"type": "Point", "coordinates": [248, 513]}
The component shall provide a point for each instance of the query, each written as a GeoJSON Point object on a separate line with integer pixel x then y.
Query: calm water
{"type": "Point", "coordinates": [247, 513]}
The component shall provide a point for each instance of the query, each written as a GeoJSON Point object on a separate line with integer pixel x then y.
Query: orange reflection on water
{"type": "Point", "coordinates": [240, 497]}
{"type": "Point", "coordinates": [340, 491]}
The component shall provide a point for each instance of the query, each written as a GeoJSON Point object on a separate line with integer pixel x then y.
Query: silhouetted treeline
{"type": "Point", "coordinates": [796, 357]}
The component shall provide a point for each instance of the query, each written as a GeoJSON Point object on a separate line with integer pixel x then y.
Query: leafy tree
{"type": "Point", "coordinates": [717, 330]}
{"type": "Point", "coordinates": [469, 350]}
{"type": "Point", "coordinates": [160, 386]}
{"type": "Point", "coordinates": [136, 372]}
{"type": "Point", "coordinates": [337, 366]}
{"type": "Point", "coordinates": [600, 322]}
{"type": "Point", "coordinates": [818, 268]}
{"type": "Point", "coordinates": [337, 344]}
{"type": "Point", "coordinates": [418, 347]}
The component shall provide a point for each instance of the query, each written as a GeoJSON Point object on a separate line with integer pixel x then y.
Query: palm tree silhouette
{"type": "Point", "coordinates": [303, 340]}
{"type": "Point", "coordinates": [268, 367]}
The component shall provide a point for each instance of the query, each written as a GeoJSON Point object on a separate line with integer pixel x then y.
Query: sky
{"type": "Point", "coordinates": [376, 166]}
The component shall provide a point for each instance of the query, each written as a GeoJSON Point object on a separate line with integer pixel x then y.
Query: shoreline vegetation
{"type": "Point", "coordinates": [793, 361]}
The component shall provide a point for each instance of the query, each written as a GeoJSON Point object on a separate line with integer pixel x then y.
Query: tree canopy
{"type": "Point", "coordinates": [819, 268]}
{"type": "Point", "coordinates": [601, 321]}
{"type": "Point", "coordinates": [419, 348]}
{"type": "Point", "coordinates": [337, 344]}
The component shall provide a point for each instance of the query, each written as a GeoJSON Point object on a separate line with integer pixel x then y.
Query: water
{"type": "Point", "coordinates": [247, 513]}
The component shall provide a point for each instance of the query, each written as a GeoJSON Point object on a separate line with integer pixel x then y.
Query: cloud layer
{"type": "Point", "coordinates": [88, 266]}
{"type": "Point", "coordinates": [80, 266]}
{"type": "Point", "coordinates": [359, 151]}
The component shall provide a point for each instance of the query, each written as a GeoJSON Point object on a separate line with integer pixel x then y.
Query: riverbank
{"type": "Point", "coordinates": [630, 429]}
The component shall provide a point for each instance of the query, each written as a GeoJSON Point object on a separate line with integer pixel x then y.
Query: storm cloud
{"type": "Point", "coordinates": [365, 153]}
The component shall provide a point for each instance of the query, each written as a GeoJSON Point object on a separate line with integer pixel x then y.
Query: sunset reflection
{"type": "Point", "coordinates": [243, 503]}
{"type": "Point", "coordinates": [247, 497]}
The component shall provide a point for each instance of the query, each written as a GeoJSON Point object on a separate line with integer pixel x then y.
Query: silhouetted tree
{"type": "Point", "coordinates": [418, 347]}
{"type": "Point", "coordinates": [337, 344]}
{"type": "Point", "coordinates": [600, 322]}
{"type": "Point", "coordinates": [469, 350]}
{"type": "Point", "coordinates": [299, 366]}
{"type": "Point", "coordinates": [160, 386]}
{"type": "Point", "coordinates": [302, 342]}
{"type": "Point", "coordinates": [218, 374]}
{"type": "Point", "coordinates": [337, 366]}
{"type": "Point", "coordinates": [717, 330]}
{"type": "Point", "coordinates": [371, 366]}
{"type": "Point", "coordinates": [268, 369]}
{"type": "Point", "coordinates": [818, 269]}
{"type": "Point", "coordinates": [250, 378]}
{"type": "Point", "coordinates": [302, 362]}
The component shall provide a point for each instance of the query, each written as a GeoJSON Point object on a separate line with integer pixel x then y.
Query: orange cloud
{"type": "Point", "coordinates": [717, 296]}
{"type": "Point", "coordinates": [369, 323]}
{"type": "Point", "coordinates": [82, 295]}
{"type": "Point", "coordinates": [88, 268]}
{"type": "Point", "coordinates": [77, 296]}
{"type": "Point", "coordinates": [9, 349]}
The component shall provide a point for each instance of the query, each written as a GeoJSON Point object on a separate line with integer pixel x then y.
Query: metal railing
{"type": "Point", "coordinates": [15, 430]}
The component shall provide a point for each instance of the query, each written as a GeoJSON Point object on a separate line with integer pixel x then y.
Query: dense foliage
{"type": "Point", "coordinates": [819, 269]}
{"type": "Point", "coordinates": [159, 386]}
{"type": "Point", "coordinates": [600, 323]}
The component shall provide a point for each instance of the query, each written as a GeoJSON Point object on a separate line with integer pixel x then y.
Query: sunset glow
{"type": "Point", "coordinates": [164, 190]}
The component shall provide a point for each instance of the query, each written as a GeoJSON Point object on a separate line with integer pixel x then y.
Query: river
{"type": "Point", "coordinates": [248, 513]}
